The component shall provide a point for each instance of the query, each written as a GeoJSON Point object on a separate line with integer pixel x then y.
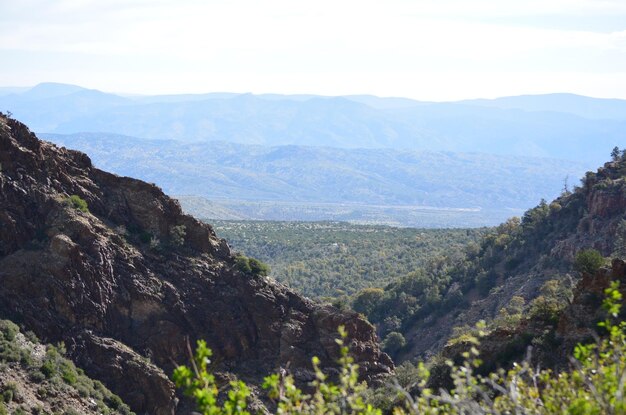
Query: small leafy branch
{"type": "Point", "coordinates": [199, 384]}
{"type": "Point", "coordinates": [344, 397]}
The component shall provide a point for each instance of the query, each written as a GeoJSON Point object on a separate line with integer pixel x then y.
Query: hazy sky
{"type": "Point", "coordinates": [424, 49]}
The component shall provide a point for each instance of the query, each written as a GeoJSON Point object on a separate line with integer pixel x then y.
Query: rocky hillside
{"type": "Point", "coordinates": [519, 261]}
{"type": "Point", "coordinates": [113, 268]}
{"type": "Point", "coordinates": [554, 339]}
{"type": "Point", "coordinates": [37, 379]}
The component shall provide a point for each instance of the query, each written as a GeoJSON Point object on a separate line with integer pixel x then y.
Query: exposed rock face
{"type": "Point", "coordinates": [126, 297]}
{"type": "Point", "coordinates": [578, 322]}
{"type": "Point", "coordinates": [552, 343]}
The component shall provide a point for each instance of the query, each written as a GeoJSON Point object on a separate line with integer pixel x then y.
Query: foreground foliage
{"type": "Point", "coordinates": [595, 384]}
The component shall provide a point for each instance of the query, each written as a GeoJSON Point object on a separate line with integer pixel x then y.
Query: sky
{"type": "Point", "coordinates": [423, 49]}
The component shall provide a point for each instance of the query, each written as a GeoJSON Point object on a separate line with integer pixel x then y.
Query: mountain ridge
{"type": "Point", "coordinates": [558, 130]}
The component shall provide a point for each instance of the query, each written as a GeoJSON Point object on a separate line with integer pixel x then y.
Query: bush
{"type": "Point", "coordinates": [9, 329]}
{"type": "Point", "coordinates": [251, 266]}
{"type": "Point", "coordinates": [242, 263]}
{"type": "Point", "coordinates": [393, 342]}
{"type": "Point", "coordinates": [367, 300]}
{"type": "Point", "coordinates": [588, 261]}
{"type": "Point", "coordinates": [258, 267]}
{"type": "Point", "coordinates": [177, 235]}
{"type": "Point", "coordinates": [78, 203]}
{"type": "Point", "coordinates": [345, 397]}
{"type": "Point", "coordinates": [10, 392]}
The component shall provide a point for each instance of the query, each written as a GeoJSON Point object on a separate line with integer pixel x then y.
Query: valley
{"type": "Point", "coordinates": [407, 254]}
{"type": "Point", "coordinates": [336, 259]}
{"type": "Point", "coordinates": [313, 207]}
{"type": "Point", "coordinates": [424, 189]}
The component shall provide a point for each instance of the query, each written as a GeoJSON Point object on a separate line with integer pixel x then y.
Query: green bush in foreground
{"type": "Point", "coordinates": [595, 384]}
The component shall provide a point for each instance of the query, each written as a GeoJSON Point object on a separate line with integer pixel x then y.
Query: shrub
{"type": "Point", "coordinates": [37, 376]}
{"type": "Point", "coordinates": [367, 300]}
{"type": "Point", "coordinates": [10, 392]}
{"type": "Point", "coordinates": [177, 235]}
{"type": "Point", "coordinates": [594, 385]}
{"type": "Point", "coordinates": [78, 203]}
{"type": "Point", "coordinates": [242, 263]}
{"type": "Point", "coordinates": [251, 265]}
{"type": "Point", "coordinates": [258, 267]}
{"type": "Point", "coordinates": [9, 329]}
{"type": "Point", "coordinates": [345, 397]}
{"type": "Point", "coordinates": [155, 243]}
{"type": "Point", "coordinates": [69, 375]}
{"type": "Point", "coordinates": [588, 261]}
{"type": "Point", "coordinates": [393, 342]}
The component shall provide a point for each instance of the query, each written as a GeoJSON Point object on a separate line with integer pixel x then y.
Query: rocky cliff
{"type": "Point", "coordinates": [549, 344]}
{"type": "Point", "coordinates": [130, 281]}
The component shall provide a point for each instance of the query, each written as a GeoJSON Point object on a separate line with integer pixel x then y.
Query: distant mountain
{"type": "Point", "coordinates": [12, 90]}
{"type": "Point", "coordinates": [300, 174]}
{"type": "Point", "coordinates": [593, 108]}
{"type": "Point", "coordinates": [48, 90]}
{"type": "Point", "coordinates": [558, 125]}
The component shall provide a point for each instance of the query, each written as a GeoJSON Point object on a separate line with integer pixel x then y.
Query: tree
{"type": "Point", "coordinates": [588, 261]}
{"type": "Point", "coordinates": [393, 342]}
{"type": "Point", "coordinates": [366, 301]}
{"type": "Point", "coordinates": [615, 154]}
{"type": "Point", "coordinates": [251, 265]}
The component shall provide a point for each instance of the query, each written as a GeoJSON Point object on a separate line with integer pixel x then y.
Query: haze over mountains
{"type": "Point", "coordinates": [306, 175]}
{"type": "Point", "coordinates": [559, 125]}
{"type": "Point", "coordinates": [258, 156]}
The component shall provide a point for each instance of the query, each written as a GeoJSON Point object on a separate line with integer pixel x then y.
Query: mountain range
{"type": "Point", "coordinates": [362, 179]}
{"type": "Point", "coordinates": [561, 126]}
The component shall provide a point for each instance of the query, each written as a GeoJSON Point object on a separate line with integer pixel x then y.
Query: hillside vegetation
{"type": "Point", "coordinates": [39, 379]}
{"type": "Point", "coordinates": [332, 259]}
{"type": "Point", "coordinates": [523, 265]}
{"type": "Point", "coordinates": [593, 383]}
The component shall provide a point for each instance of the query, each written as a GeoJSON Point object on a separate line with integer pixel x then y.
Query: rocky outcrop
{"type": "Point", "coordinates": [578, 322]}
{"type": "Point", "coordinates": [127, 293]}
{"type": "Point", "coordinates": [551, 343]}
{"type": "Point", "coordinates": [36, 379]}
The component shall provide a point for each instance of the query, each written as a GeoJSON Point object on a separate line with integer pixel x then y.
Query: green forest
{"type": "Point", "coordinates": [333, 259]}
